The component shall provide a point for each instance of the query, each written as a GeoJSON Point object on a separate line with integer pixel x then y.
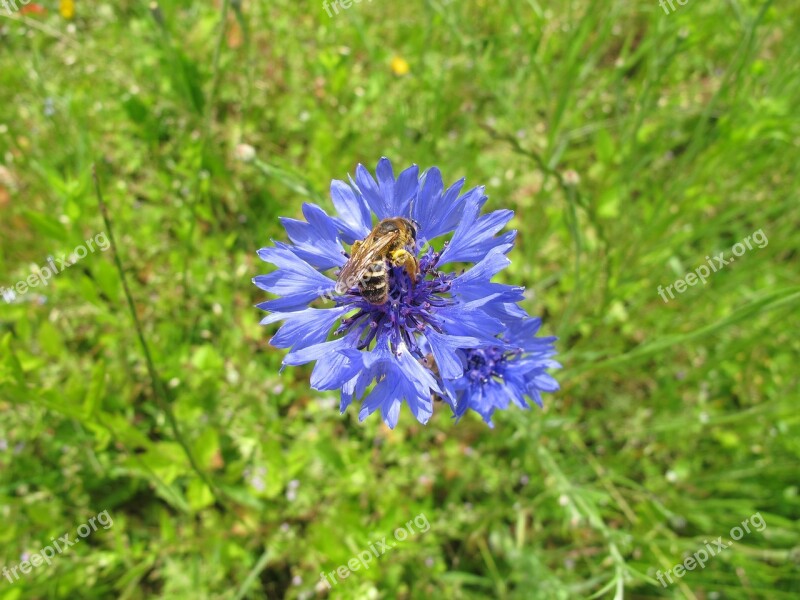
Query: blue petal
{"type": "Point", "coordinates": [337, 362]}
{"type": "Point", "coordinates": [371, 193]}
{"type": "Point", "coordinates": [417, 375]}
{"type": "Point", "coordinates": [537, 397]}
{"type": "Point", "coordinates": [468, 320]}
{"type": "Point", "coordinates": [390, 411]}
{"type": "Point", "coordinates": [347, 394]}
{"type": "Point", "coordinates": [524, 333]}
{"type": "Point", "coordinates": [404, 378]}
{"type": "Point", "coordinates": [281, 256]}
{"type": "Point", "coordinates": [405, 189]}
{"type": "Point", "coordinates": [474, 237]}
{"type": "Point", "coordinates": [443, 213]}
{"type": "Point", "coordinates": [421, 407]}
{"type": "Point", "coordinates": [295, 279]}
{"type": "Point", "coordinates": [305, 327]}
{"type": "Point", "coordinates": [317, 240]}
{"type": "Point", "coordinates": [454, 398]}
{"type": "Point", "coordinates": [355, 220]}
{"type": "Point", "coordinates": [445, 350]}
{"type": "Point", "coordinates": [427, 207]}
{"type": "Point", "coordinates": [496, 395]}
{"type": "Point", "coordinates": [335, 368]}
{"type": "Point", "coordinates": [388, 395]}
{"type": "Point", "coordinates": [386, 392]}
{"type": "Point", "coordinates": [504, 307]}
{"type": "Point", "coordinates": [381, 360]}
{"type": "Point", "coordinates": [474, 400]}
{"type": "Point", "coordinates": [494, 262]}
{"type": "Point", "coordinates": [485, 399]}
{"type": "Point", "coordinates": [463, 404]}
{"type": "Point", "coordinates": [396, 195]}
{"type": "Point", "coordinates": [302, 356]}
{"type": "Point", "coordinates": [476, 282]}
{"type": "Point", "coordinates": [385, 177]}
{"type": "Point", "coordinates": [300, 284]}
{"type": "Point", "coordinates": [452, 207]}
{"type": "Point", "coordinates": [545, 383]}
{"type": "Point", "coordinates": [517, 395]}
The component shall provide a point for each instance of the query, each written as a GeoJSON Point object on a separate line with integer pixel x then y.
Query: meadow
{"type": "Point", "coordinates": [144, 413]}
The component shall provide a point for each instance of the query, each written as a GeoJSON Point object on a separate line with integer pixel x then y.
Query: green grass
{"type": "Point", "coordinates": [676, 421]}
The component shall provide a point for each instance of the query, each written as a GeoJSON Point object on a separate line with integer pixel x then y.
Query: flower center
{"type": "Point", "coordinates": [410, 308]}
{"type": "Point", "coordinates": [486, 364]}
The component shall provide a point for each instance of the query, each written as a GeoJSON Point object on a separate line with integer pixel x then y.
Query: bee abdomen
{"type": "Point", "coordinates": [375, 286]}
{"type": "Point", "coordinates": [375, 273]}
{"type": "Point", "coordinates": [375, 295]}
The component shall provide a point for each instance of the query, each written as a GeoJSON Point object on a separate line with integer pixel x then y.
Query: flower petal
{"type": "Point", "coordinates": [337, 362]}
{"type": "Point", "coordinates": [355, 220]}
{"type": "Point", "coordinates": [386, 392]}
{"type": "Point", "coordinates": [317, 240]}
{"type": "Point", "coordinates": [474, 237]}
{"type": "Point", "coordinates": [545, 383]}
{"type": "Point", "coordinates": [385, 177]}
{"type": "Point", "coordinates": [426, 209]}
{"type": "Point", "coordinates": [403, 378]}
{"type": "Point", "coordinates": [298, 282]}
{"type": "Point", "coordinates": [335, 368]}
{"type": "Point", "coordinates": [371, 193]}
{"type": "Point", "coordinates": [447, 210]}
{"type": "Point", "coordinates": [476, 282]}
{"type": "Point", "coordinates": [305, 327]}
{"type": "Point", "coordinates": [468, 320]}
{"type": "Point", "coordinates": [405, 189]}
{"type": "Point", "coordinates": [445, 350]}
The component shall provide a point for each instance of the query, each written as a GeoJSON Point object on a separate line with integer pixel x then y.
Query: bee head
{"type": "Point", "coordinates": [398, 224]}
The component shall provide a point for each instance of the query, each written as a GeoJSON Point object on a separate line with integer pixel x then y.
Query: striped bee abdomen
{"type": "Point", "coordinates": [374, 284]}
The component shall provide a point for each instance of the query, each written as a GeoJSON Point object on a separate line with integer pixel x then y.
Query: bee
{"type": "Point", "coordinates": [388, 242]}
{"type": "Point", "coordinates": [429, 361]}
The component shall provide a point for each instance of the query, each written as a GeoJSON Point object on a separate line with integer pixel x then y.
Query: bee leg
{"type": "Point", "coordinates": [356, 245]}
{"type": "Point", "coordinates": [403, 258]}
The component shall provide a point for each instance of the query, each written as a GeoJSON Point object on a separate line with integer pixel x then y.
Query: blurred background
{"type": "Point", "coordinates": [633, 139]}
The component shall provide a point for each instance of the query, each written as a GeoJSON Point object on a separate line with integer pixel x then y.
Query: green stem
{"type": "Point", "coordinates": [158, 389]}
{"type": "Point", "coordinates": [253, 574]}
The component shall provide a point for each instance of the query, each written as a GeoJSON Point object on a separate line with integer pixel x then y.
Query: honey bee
{"type": "Point", "coordinates": [387, 242]}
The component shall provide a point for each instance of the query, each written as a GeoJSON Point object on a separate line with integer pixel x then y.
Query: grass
{"type": "Point", "coordinates": [631, 144]}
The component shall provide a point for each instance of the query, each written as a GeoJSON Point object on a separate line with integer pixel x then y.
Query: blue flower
{"type": "Point", "coordinates": [506, 373]}
{"type": "Point", "coordinates": [419, 344]}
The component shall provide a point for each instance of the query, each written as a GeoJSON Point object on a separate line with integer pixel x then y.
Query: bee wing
{"type": "Point", "coordinates": [368, 252]}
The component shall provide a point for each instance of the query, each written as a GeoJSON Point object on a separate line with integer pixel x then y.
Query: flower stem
{"type": "Point", "coordinates": [158, 389]}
